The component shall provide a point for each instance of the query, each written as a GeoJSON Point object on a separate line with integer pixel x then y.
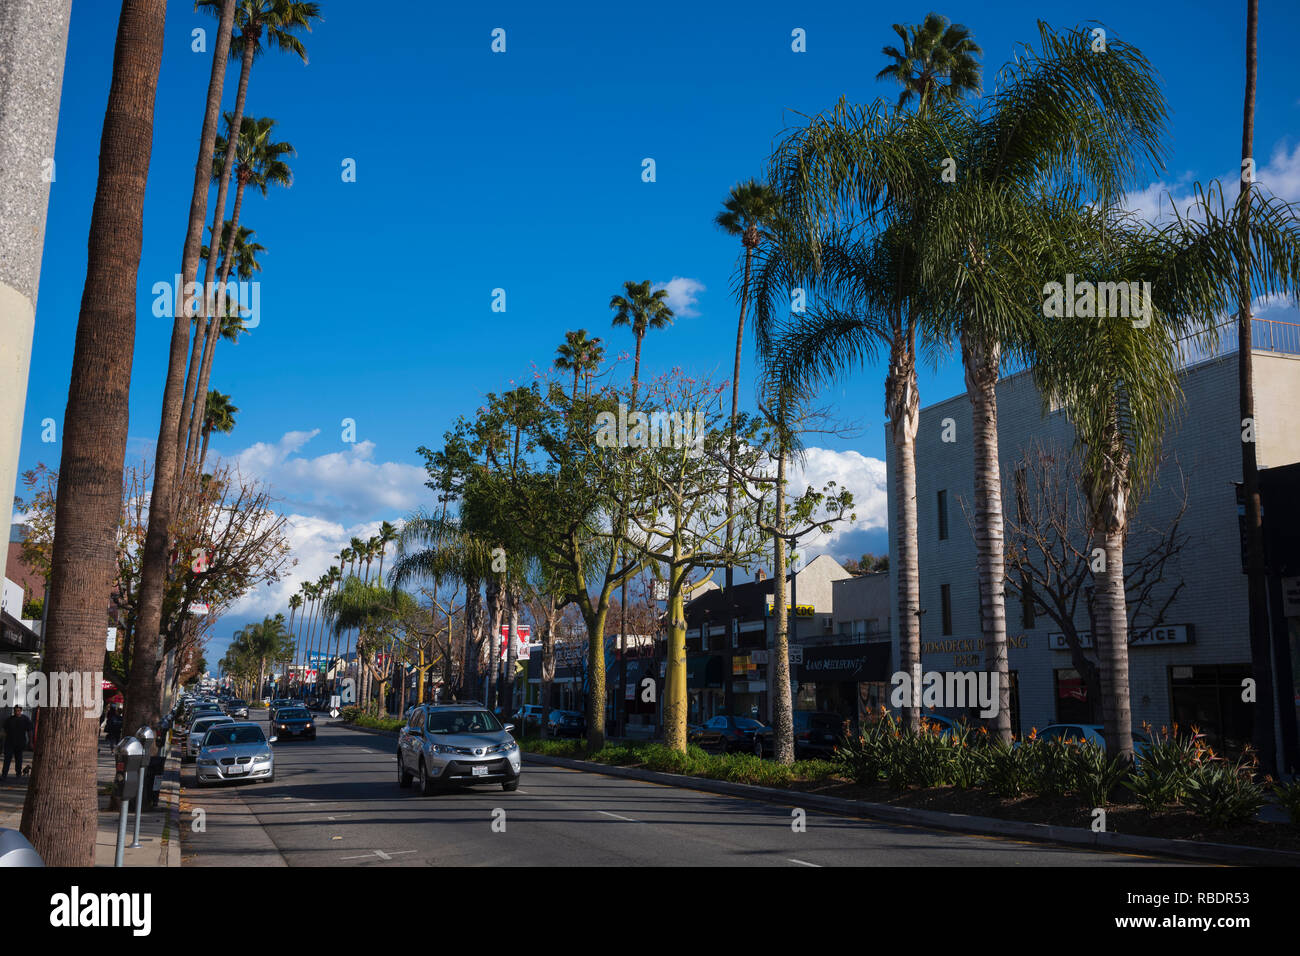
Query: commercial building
{"type": "Point", "coordinates": [1190, 668]}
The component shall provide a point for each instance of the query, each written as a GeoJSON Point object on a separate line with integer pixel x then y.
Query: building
{"type": "Point", "coordinates": [1190, 669]}
{"type": "Point", "coordinates": [738, 680]}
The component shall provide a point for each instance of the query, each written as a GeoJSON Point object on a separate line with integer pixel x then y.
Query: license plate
{"type": "Point", "coordinates": [235, 769]}
{"type": "Point", "coordinates": [480, 771]}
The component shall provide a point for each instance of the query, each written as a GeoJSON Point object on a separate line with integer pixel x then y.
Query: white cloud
{"type": "Point", "coordinates": [682, 295]}
{"type": "Point", "coordinates": [345, 487]}
{"type": "Point", "coordinates": [864, 477]}
{"type": "Point", "coordinates": [1280, 176]}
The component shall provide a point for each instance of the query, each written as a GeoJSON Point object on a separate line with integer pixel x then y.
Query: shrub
{"type": "Point", "coordinates": [1288, 795]}
{"type": "Point", "coordinates": [1048, 766]}
{"type": "Point", "coordinates": [1224, 794]}
{"type": "Point", "coordinates": [1095, 777]}
{"type": "Point", "coordinates": [1164, 768]}
{"type": "Point", "coordinates": [1003, 767]}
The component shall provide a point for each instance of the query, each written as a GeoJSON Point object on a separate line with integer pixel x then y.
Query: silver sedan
{"type": "Point", "coordinates": [235, 751]}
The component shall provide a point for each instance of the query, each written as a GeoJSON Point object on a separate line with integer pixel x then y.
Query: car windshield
{"type": "Point", "coordinates": [294, 715]}
{"type": "Point", "coordinates": [236, 734]}
{"type": "Point", "coordinates": [203, 723]}
{"type": "Point", "coordinates": [462, 722]}
{"type": "Point", "coordinates": [238, 703]}
{"type": "Point", "coordinates": [744, 723]}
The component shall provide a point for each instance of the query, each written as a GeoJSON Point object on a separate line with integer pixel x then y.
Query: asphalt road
{"type": "Point", "coordinates": [335, 802]}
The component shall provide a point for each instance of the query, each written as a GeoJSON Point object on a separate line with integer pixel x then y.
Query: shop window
{"type": "Point", "coordinates": [1209, 698]}
{"type": "Point", "coordinates": [1072, 703]}
{"type": "Point", "coordinates": [943, 517]}
{"type": "Point", "coordinates": [945, 598]}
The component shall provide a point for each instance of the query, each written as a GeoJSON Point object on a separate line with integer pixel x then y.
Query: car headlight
{"type": "Point", "coordinates": [263, 758]}
{"type": "Point", "coordinates": [443, 749]}
{"type": "Point", "coordinates": [509, 747]}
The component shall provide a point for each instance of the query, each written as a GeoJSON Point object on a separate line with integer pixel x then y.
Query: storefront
{"type": "Point", "coordinates": [704, 687]}
{"type": "Point", "coordinates": [845, 679]}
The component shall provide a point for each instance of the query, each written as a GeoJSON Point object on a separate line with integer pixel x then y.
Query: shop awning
{"type": "Point", "coordinates": [852, 663]}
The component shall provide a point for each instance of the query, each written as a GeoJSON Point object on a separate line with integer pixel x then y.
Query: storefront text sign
{"type": "Point", "coordinates": [1156, 637]}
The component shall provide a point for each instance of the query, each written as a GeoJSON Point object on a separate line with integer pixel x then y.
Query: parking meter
{"type": "Point", "coordinates": [129, 762]}
{"type": "Point", "coordinates": [129, 756]}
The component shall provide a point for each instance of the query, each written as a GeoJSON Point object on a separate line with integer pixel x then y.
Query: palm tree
{"type": "Point", "coordinates": [387, 535]}
{"type": "Point", "coordinates": [642, 310]}
{"type": "Point", "coordinates": [1064, 116]}
{"type": "Point", "coordinates": [295, 602]}
{"type": "Point", "coordinates": [869, 299]}
{"type": "Point", "coordinates": [284, 20]}
{"type": "Point", "coordinates": [220, 417]}
{"type": "Point", "coordinates": [59, 813]}
{"type": "Point", "coordinates": [260, 162]}
{"type": "Point", "coordinates": [578, 354]}
{"type": "Point", "coordinates": [937, 62]}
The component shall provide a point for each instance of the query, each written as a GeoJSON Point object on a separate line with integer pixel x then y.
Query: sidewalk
{"type": "Point", "coordinates": [159, 829]}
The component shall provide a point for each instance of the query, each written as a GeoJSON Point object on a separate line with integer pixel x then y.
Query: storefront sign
{"type": "Point", "coordinates": [968, 651]}
{"type": "Point", "coordinates": [798, 610]}
{"type": "Point", "coordinates": [855, 663]}
{"type": "Point", "coordinates": [1156, 637]}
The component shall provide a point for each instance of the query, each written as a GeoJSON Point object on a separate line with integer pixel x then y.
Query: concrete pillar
{"type": "Point", "coordinates": [33, 40]}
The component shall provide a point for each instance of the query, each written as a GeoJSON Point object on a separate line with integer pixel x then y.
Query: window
{"type": "Point", "coordinates": [943, 517]}
{"type": "Point", "coordinates": [945, 596]}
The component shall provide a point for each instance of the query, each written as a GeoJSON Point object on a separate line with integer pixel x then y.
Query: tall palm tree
{"type": "Point", "coordinates": [144, 692]}
{"type": "Point", "coordinates": [260, 161]}
{"type": "Point", "coordinates": [937, 62]}
{"type": "Point", "coordinates": [282, 21]}
{"type": "Point", "coordinates": [641, 310]}
{"type": "Point", "coordinates": [295, 602]}
{"type": "Point", "coordinates": [220, 417]}
{"type": "Point", "coordinates": [387, 535]}
{"type": "Point", "coordinates": [1063, 115]}
{"type": "Point", "coordinates": [59, 813]}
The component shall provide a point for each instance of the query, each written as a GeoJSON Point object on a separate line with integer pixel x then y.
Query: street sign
{"type": "Point", "coordinates": [334, 712]}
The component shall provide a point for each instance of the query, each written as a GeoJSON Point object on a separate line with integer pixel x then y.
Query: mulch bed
{"type": "Point", "coordinates": [1127, 818]}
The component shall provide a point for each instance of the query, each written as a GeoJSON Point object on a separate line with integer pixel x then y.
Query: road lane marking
{"type": "Point", "coordinates": [802, 862]}
{"type": "Point", "coordinates": [617, 817]}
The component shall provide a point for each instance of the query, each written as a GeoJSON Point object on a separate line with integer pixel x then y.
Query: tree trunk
{"type": "Point", "coordinates": [59, 815]}
{"type": "Point", "coordinates": [675, 696]}
{"type": "Point", "coordinates": [902, 405]}
{"type": "Point", "coordinates": [162, 502]}
{"type": "Point", "coordinates": [596, 677]}
{"type": "Point", "coordinates": [495, 601]}
{"type": "Point", "coordinates": [548, 664]}
{"type": "Point", "coordinates": [1112, 617]}
{"type": "Point", "coordinates": [783, 716]}
{"type": "Point", "coordinates": [183, 435]}
{"type": "Point", "coordinates": [512, 652]}
{"type": "Point", "coordinates": [980, 360]}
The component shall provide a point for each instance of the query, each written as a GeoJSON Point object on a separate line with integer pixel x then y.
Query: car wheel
{"type": "Point", "coordinates": [427, 786]}
{"type": "Point", "coordinates": [199, 782]}
{"type": "Point", "coordinates": [403, 778]}
{"type": "Point", "coordinates": [271, 778]}
{"type": "Point", "coordinates": [510, 786]}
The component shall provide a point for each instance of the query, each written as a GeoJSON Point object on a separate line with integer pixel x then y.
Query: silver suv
{"type": "Point", "coordinates": [456, 744]}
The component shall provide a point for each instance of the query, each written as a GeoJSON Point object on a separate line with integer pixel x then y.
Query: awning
{"type": "Point", "coordinates": [703, 671]}
{"type": "Point", "coordinates": [851, 663]}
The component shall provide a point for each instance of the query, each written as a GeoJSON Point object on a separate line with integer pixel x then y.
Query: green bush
{"type": "Point", "coordinates": [1095, 777]}
{"type": "Point", "coordinates": [1049, 766]}
{"type": "Point", "coordinates": [1223, 794]}
{"type": "Point", "coordinates": [1288, 795]}
{"type": "Point", "coordinates": [1164, 767]}
{"type": "Point", "coordinates": [1004, 767]}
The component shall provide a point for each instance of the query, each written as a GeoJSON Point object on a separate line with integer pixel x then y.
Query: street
{"type": "Point", "coordinates": [335, 802]}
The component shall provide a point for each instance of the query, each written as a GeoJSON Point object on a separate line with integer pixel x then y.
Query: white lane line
{"type": "Point", "coordinates": [803, 863]}
{"type": "Point", "coordinates": [377, 853]}
{"type": "Point", "coordinates": [617, 817]}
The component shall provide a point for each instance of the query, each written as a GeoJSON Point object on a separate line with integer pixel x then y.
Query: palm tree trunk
{"type": "Point", "coordinates": [512, 651]}
{"type": "Point", "coordinates": [902, 405]}
{"type": "Point", "coordinates": [1112, 616]}
{"type": "Point", "coordinates": [203, 457]}
{"type": "Point", "coordinates": [496, 602]}
{"type": "Point", "coordinates": [980, 360]}
{"type": "Point", "coordinates": [636, 368]}
{"type": "Point", "coordinates": [59, 815]}
{"type": "Point", "coordinates": [675, 695]}
{"type": "Point", "coordinates": [183, 434]}
{"type": "Point", "coordinates": [199, 409]}
{"type": "Point", "coordinates": [142, 697]}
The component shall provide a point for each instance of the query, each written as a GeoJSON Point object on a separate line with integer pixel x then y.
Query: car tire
{"type": "Point", "coordinates": [271, 778]}
{"type": "Point", "coordinates": [199, 782]}
{"type": "Point", "coordinates": [427, 785]}
{"type": "Point", "coordinates": [403, 778]}
{"type": "Point", "coordinates": [510, 786]}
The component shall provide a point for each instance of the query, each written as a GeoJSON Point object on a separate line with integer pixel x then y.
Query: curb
{"type": "Point", "coordinates": [1222, 853]}
{"type": "Point", "coordinates": [363, 730]}
{"type": "Point", "coordinates": [170, 854]}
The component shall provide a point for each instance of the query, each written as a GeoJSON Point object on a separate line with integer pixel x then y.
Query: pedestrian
{"type": "Point", "coordinates": [18, 733]}
{"type": "Point", "coordinates": [113, 726]}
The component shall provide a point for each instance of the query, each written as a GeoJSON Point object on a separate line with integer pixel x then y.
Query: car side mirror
{"type": "Point", "coordinates": [510, 728]}
{"type": "Point", "coordinates": [274, 739]}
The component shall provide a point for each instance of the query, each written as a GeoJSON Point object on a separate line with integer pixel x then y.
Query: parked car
{"type": "Point", "coordinates": [456, 745]}
{"type": "Point", "coordinates": [530, 717]}
{"type": "Point", "coordinates": [1094, 733]}
{"type": "Point", "coordinates": [566, 723]}
{"type": "Point", "coordinates": [194, 736]}
{"type": "Point", "coordinates": [816, 733]}
{"type": "Point", "coordinates": [235, 751]}
{"type": "Point", "coordinates": [294, 722]}
{"type": "Point", "coordinates": [237, 708]}
{"type": "Point", "coordinates": [726, 733]}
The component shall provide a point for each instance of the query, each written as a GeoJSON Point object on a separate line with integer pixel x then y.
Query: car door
{"type": "Point", "coordinates": [410, 739]}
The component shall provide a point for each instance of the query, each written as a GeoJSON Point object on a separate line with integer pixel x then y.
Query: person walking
{"type": "Point", "coordinates": [113, 726]}
{"type": "Point", "coordinates": [18, 734]}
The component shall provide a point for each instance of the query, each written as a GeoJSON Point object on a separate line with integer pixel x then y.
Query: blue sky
{"type": "Point", "coordinates": [522, 171]}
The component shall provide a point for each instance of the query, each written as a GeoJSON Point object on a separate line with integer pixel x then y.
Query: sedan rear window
{"type": "Point", "coordinates": [292, 715]}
